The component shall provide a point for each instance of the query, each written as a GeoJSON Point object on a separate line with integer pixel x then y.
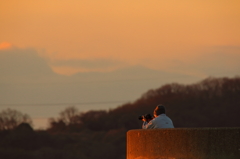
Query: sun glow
{"type": "Point", "coordinates": [5, 45]}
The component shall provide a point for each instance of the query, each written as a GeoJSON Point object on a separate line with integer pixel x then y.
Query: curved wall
{"type": "Point", "coordinates": [184, 143]}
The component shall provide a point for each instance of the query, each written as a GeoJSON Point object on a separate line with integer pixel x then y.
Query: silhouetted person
{"type": "Point", "coordinates": [161, 120]}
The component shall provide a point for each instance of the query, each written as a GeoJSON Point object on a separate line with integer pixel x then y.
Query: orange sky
{"type": "Point", "coordinates": [134, 32]}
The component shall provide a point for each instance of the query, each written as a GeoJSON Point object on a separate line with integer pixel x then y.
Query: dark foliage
{"type": "Point", "coordinates": [10, 119]}
{"type": "Point", "coordinates": [213, 102]}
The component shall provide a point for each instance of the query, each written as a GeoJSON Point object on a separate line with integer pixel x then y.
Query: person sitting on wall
{"type": "Point", "coordinates": [161, 120]}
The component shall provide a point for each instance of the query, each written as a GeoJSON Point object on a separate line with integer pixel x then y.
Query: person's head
{"type": "Point", "coordinates": [160, 109]}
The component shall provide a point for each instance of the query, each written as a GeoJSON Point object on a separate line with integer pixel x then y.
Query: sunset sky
{"type": "Point", "coordinates": [99, 54]}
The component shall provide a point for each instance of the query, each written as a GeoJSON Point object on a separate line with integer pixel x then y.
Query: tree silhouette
{"type": "Point", "coordinates": [10, 119]}
{"type": "Point", "coordinates": [69, 115]}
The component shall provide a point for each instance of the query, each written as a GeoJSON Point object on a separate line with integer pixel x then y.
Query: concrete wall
{"type": "Point", "coordinates": [184, 143]}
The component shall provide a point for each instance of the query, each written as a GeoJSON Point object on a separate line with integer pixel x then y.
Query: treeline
{"type": "Point", "coordinates": [213, 102]}
{"type": "Point", "coordinates": [25, 143]}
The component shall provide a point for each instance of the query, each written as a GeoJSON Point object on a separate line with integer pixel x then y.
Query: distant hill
{"type": "Point", "coordinates": [212, 102]}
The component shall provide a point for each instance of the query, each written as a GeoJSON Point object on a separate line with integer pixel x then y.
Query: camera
{"type": "Point", "coordinates": [146, 116]}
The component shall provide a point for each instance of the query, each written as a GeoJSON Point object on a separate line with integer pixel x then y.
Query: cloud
{"type": "Point", "coordinates": [26, 78]}
{"type": "Point", "coordinates": [216, 61]}
{"type": "Point", "coordinates": [22, 62]}
{"type": "Point", "coordinates": [220, 61]}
